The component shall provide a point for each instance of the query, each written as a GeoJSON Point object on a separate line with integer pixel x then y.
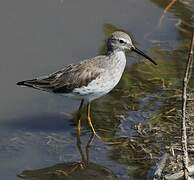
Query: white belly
{"type": "Point", "coordinates": [105, 82]}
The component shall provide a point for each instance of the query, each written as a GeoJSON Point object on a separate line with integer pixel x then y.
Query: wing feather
{"type": "Point", "coordinates": [64, 81]}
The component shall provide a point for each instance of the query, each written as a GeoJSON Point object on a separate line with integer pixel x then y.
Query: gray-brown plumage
{"type": "Point", "coordinates": [70, 77]}
{"type": "Point", "coordinates": [92, 78]}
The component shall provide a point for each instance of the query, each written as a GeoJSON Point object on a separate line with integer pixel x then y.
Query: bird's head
{"type": "Point", "coordinates": [122, 41]}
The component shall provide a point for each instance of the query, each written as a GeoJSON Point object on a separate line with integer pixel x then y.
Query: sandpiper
{"type": "Point", "coordinates": [91, 78]}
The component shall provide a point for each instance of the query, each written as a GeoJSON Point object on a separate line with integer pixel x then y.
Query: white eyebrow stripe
{"type": "Point", "coordinates": [125, 41]}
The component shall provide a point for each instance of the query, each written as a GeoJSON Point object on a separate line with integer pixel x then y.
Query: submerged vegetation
{"type": "Point", "coordinates": [141, 119]}
{"type": "Point", "coordinates": [158, 134]}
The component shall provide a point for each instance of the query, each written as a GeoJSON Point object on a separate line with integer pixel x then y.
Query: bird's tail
{"type": "Point", "coordinates": [21, 83]}
{"type": "Point", "coordinates": [35, 83]}
{"type": "Point", "coordinates": [28, 83]}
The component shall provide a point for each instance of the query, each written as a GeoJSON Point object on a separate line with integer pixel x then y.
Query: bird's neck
{"type": "Point", "coordinates": [113, 50]}
{"type": "Point", "coordinates": [117, 53]}
{"type": "Point", "coordinates": [117, 58]}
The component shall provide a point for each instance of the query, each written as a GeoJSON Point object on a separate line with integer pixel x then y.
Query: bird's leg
{"type": "Point", "coordinates": [79, 118]}
{"type": "Point", "coordinates": [90, 121]}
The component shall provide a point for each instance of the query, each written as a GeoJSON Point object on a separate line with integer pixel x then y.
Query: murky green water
{"type": "Point", "coordinates": [37, 130]}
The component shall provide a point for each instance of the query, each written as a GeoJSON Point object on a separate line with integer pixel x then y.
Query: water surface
{"type": "Point", "coordinates": [37, 129]}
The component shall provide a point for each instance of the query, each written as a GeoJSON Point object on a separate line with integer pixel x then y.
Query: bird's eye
{"type": "Point", "coordinates": [121, 41]}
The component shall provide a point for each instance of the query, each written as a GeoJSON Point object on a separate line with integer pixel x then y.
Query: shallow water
{"type": "Point", "coordinates": [37, 129]}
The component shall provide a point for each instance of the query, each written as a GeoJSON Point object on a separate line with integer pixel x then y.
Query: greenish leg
{"type": "Point", "coordinates": [79, 118]}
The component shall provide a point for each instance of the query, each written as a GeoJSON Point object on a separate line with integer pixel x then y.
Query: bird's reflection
{"type": "Point", "coordinates": [84, 169]}
{"type": "Point", "coordinates": [84, 157]}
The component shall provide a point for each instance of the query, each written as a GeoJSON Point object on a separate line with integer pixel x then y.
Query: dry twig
{"type": "Point", "coordinates": [184, 103]}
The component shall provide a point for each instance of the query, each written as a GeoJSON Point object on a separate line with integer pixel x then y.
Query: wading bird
{"type": "Point", "coordinates": [91, 78]}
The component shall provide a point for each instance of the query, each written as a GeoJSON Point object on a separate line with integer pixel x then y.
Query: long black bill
{"type": "Point", "coordinates": [143, 54]}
